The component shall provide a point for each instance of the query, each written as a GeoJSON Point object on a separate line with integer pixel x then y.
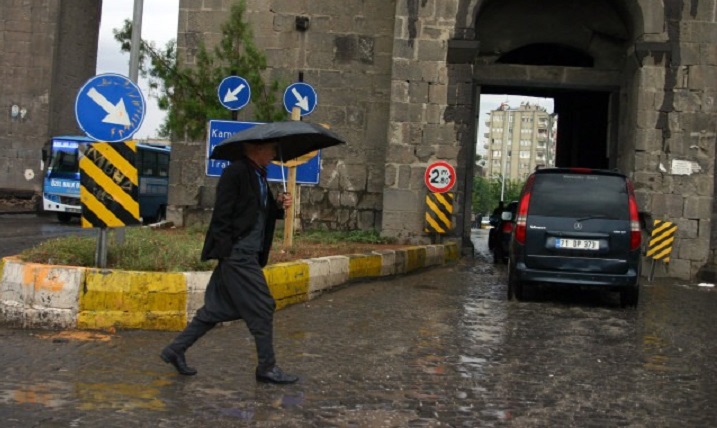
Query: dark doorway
{"type": "Point", "coordinates": [582, 129]}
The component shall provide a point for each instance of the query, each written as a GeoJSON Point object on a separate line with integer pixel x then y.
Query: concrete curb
{"type": "Point", "coordinates": [68, 297]}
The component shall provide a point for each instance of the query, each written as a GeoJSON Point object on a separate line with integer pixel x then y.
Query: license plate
{"type": "Point", "coordinates": [74, 210]}
{"type": "Point", "coordinates": [577, 244]}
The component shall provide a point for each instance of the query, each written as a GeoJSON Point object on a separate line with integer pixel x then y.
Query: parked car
{"type": "Point", "coordinates": [499, 235]}
{"type": "Point", "coordinates": [576, 227]}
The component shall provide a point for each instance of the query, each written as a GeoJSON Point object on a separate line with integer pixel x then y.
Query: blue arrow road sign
{"type": "Point", "coordinates": [300, 95]}
{"type": "Point", "coordinates": [234, 92]}
{"type": "Point", "coordinates": [219, 130]}
{"type": "Point", "coordinates": [109, 107]}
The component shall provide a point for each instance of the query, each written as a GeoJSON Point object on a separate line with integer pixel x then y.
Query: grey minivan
{"type": "Point", "coordinates": [576, 227]}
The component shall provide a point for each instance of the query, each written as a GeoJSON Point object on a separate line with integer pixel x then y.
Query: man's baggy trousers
{"type": "Point", "coordinates": [237, 290]}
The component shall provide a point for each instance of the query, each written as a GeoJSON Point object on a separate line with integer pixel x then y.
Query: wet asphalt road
{"type": "Point", "coordinates": [21, 231]}
{"type": "Point", "coordinates": [438, 348]}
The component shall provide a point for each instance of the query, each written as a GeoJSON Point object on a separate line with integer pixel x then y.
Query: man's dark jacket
{"type": "Point", "coordinates": [236, 209]}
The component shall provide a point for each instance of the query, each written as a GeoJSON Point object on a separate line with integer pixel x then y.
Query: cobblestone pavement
{"type": "Point", "coordinates": [439, 348]}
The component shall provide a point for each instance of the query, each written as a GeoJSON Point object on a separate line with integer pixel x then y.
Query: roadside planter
{"type": "Point", "coordinates": [68, 297]}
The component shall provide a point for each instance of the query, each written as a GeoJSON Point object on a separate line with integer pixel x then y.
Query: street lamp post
{"type": "Point", "coordinates": [504, 153]}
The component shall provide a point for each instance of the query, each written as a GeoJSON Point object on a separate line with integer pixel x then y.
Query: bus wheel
{"type": "Point", "coordinates": [161, 214]}
{"type": "Point", "coordinates": [64, 217]}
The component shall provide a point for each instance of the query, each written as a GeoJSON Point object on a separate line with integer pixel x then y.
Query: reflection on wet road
{"type": "Point", "coordinates": [439, 348]}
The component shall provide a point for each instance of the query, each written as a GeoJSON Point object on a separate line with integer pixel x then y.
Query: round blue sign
{"type": "Point", "coordinates": [300, 95]}
{"type": "Point", "coordinates": [110, 107]}
{"type": "Point", "coordinates": [234, 92]}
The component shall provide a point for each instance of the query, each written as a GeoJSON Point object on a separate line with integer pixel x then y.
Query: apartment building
{"type": "Point", "coordinates": [518, 140]}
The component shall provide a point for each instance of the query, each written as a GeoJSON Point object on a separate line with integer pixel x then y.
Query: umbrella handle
{"type": "Point", "coordinates": [283, 177]}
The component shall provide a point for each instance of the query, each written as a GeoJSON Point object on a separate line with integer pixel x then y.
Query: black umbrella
{"type": "Point", "coordinates": [295, 138]}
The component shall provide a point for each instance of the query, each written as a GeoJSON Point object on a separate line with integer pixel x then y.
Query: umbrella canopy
{"type": "Point", "coordinates": [295, 138]}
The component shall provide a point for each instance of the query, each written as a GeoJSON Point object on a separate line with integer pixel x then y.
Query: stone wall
{"type": "Point", "coordinates": [431, 116]}
{"type": "Point", "coordinates": [674, 121]}
{"type": "Point", "coordinates": [346, 55]}
{"type": "Point", "coordinates": [388, 81]}
{"type": "Point", "coordinates": [49, 49]}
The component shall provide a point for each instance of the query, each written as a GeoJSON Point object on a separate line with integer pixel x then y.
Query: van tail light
{"type": "Point", "coordinates": [507, 227]}
{"type": "Point", "coordinates": [635, 233]}
{"type": "Point", "coordinates": [521, 219]}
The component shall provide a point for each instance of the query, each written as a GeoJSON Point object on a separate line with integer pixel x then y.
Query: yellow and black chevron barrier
{"type": "Point", "coordinates": [108, 185]}
{"type": "Point", "coordinates": [439, 212]}
{"type": "Point", "coordinates": [663, 235]}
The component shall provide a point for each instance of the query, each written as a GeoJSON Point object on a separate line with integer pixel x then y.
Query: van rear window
{"type": "Point", "coordinates": [579, 195]}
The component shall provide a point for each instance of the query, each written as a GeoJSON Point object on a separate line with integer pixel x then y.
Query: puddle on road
{"type": "Point", "coordinates": [243, 414]}
{"type": "Point", "coordinates": [83, 336]}
{"type": "Point", "coordinates": [44, 395]}
{"type": "Point", "coordinates": [85, 396]}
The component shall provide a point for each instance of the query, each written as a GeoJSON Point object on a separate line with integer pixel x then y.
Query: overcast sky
{"type": "Point", "coordinates": [159, 25]}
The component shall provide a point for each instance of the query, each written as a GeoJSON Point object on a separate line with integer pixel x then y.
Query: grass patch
{"type": "Point", "coordinates": [179, 249]}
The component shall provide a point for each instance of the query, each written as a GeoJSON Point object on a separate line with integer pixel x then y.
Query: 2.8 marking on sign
{"type": "Point", "coordinates": [440, 177]}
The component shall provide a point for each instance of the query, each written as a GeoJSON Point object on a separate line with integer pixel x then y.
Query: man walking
{"type": "Point", "coordinates": [239, 236]}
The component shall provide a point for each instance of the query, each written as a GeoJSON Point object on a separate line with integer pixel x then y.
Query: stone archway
{"type": "Point", "coordinates": [576, 54]}
{"type": "Point", "coordinates": [649, 60]}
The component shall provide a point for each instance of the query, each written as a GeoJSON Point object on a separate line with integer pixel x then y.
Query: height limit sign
{"type": "Point", "coordinates": [440, 177]}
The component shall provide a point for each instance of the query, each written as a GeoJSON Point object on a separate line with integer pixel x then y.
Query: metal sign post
{"type": "Point", "coordinates": [109, 107]}
{"type": "Point", "coordinates": [439, 178]}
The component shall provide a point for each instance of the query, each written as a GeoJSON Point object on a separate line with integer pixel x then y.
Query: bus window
{"type": "Point", "coordinates": [148, 164]}
{"type": "Point", "coordinates": [163, 164]}
{"type": "Point", "coordinates": [64, 162]}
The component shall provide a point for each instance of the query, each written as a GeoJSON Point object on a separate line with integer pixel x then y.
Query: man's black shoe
{"type": "Point", "coordinates": [176, 359]}
{"type": "Point", "coordinates": [275, 375]}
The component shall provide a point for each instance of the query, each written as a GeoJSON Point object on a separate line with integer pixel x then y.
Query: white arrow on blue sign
{"type": "Point", "coordinates": [300, 95]}
{"type": "Point", "coordinates": [110, 107]}
{"type": "Point", "coordinates": [219, 130]}
{"type": "Point", "coordinates": [234, 92]}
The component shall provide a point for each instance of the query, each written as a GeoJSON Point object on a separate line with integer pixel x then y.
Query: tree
{"type": "Point", "coordinates": [486, 193]}
{"type": "Point", "coordinates": [189, 94]}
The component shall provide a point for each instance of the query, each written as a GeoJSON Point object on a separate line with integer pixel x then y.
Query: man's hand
{"type": "Point", "coordinates": [284, 200]}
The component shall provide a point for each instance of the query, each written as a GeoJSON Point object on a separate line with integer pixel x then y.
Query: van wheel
{"type": "Point", "coordinates": [515, 287]}
{"type": "Point", "coordinates": [629, 296]}
{"type": "Point", "coordinates": [161, 214]}
{"type": "Point", "coordinates": [498, 254]}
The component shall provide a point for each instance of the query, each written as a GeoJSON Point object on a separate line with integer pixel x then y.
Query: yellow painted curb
{"type": "Point", "coordinates": [452, 252]}
{"type": "Point", "coordinates": [365, 265]}
{"type": "Point", "coordinates": [415, 258]}
{"type": "Point", "coordinates": [288, 282]}
{"type": "Point", "coordinates": [36, 295]}
{"type": "Point", "coordinates": [129, 299]}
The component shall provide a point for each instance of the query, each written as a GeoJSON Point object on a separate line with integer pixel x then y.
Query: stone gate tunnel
{"type": "Point", "coordinates": [622, 77]}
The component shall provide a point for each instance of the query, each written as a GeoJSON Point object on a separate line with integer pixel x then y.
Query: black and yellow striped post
{"type": "Point", "coordinates": [109, 185]}
{"type": "Point", "coordinates": [661, 240]}
{"type": "Point", "coordinates": [439, 213]}
{"type": "Point", "coordinates": [108, 190]}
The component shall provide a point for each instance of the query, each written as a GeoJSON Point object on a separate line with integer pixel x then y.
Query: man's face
{"type": "Point", "coordinates": [263, 154]}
